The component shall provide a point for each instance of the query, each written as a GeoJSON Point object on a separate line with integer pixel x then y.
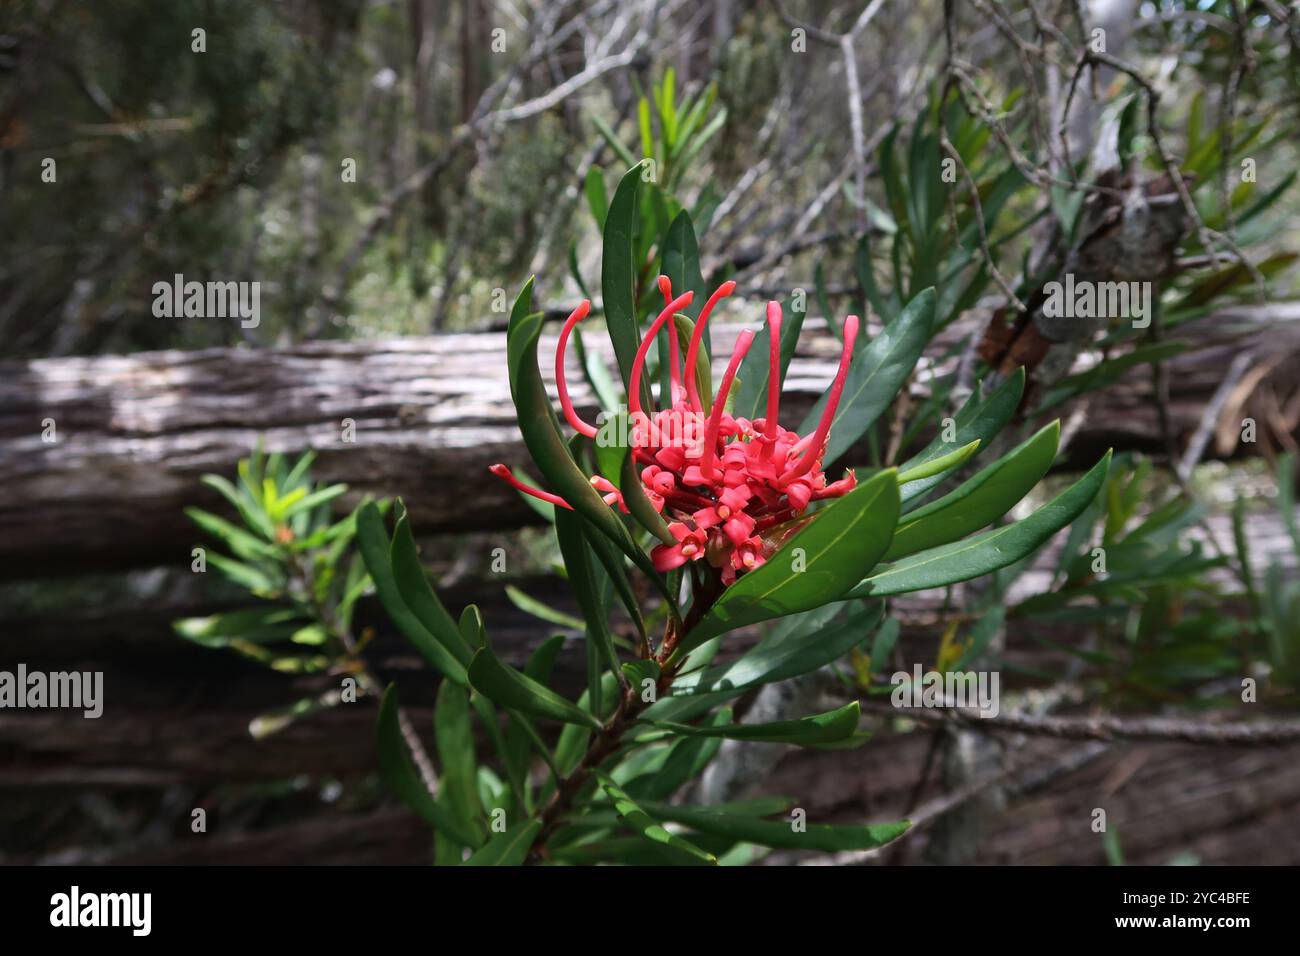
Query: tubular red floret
{"type": "Point", "coordinates": [814, 450]}
{"type": "Point", "coordinates": [715, 416]}
{"type": "Point", "coordinates": [502, 472]}
{"type": "Point", "coordinates": [773, 371]}
{"type": "Point", "coordinates": [570, 415]}
{"type": "Point", "coordinates": [634, 386]}
{"type": "Point", "coordinates": [692, 352]}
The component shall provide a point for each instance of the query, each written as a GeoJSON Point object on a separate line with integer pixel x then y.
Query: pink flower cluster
{"type": "Point", "coordinates": [726, 484]}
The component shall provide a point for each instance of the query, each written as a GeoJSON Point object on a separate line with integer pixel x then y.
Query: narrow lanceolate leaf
{"type": "Point", "coordinates": [397, 768]}
{"type": "Point", "coordinates": [645, 826]}
{"type": "Point", "coordinates": [634, 496]}
{"type": "Point", "coordinates": [681, 264]}
{"type": "Point", "coordinates": [541, 434]}
{"type": "Point", "coordinates": [822, 560]}
{"type": "Point", "coordinates": [577, 559]}
{"type": "Point", "coordinates": [418, 595]}
{"type": "Point", "coordinates": [826, 728]}
{"type": "Point", "coordinates": [981, 500]}
{"type": "Point", "coordinates": [242, 543]}
{"type": "Point", "coordinates": [618, 271]}
{"type": "Point", "coordinates": [963, 560]}
{"type": "Point", "coordinates": [980, 418]}
{"type": "Point", "coordinates": [373, 542]}
{"type": "Point", "coordinates": [509, 848]}
{"type": "Point", "coordinates": [508, 687]}
{"type": "Point", "coordinates": [455, 738]}
{"type": "Point", "coordinates": [877, 373]}
{"type": "Point", "coordinates": [939, 466]}
{"type": "Point", "coordinates": [780, 834]}
{"type": "Point", "coordinates": [785, 652]}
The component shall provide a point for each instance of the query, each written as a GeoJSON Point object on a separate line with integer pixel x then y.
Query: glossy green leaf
{"type": "Point", "coordinates": [939, 466]}
{"type": "Point", "coordinates": [979, 501]}
{"type": "Point", "coordinates": [418, 595]}
{"type": "Point", "coordinates": [508, 687]}
{"type": "Point", "coordinates": [681, 264]}
{"type": "Point", "coordinates": [548, 449]}
{"type": "Point", "coordinates": [259, 625]}
{"type": "Point", "coordinates": [243, 544]}
{"type": "Point", "coordinates": [643, 824]}
{"type": "Point", "coordinates": [780, 834]}
{"type": "Point", "coordinates": [373, 542]}
{"type": "Point", "coordinates": [578, 561]}
{"type": "Point", "coordinates": [799, 644]}
{"type": "Point", "coordinates": [963, 560]}
{"type": "Point", "coordinates": [509, 848]}
{"type": "Point", "coordinates": [619, 269]}
{"type": "Point", "coordinates": [454, 736]}
{"type": "Point", "coordinates": [878, 372]}
{"type": "Point", "coordinates": [594, 187]}
{"type": "Point", "coordinates": [817, 563]}
{"type": "Point", "coordinates": [397, 768]}
{"type": "Point", "coordinates": [824, 728]}
{"type": "Point", "coordinates": [980, 418]}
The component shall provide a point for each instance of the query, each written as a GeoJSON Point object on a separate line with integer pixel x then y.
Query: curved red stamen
{"type": "Point", "coordinates": [773, 372]}
{"type": "Point", "coordinates": [715, 416]}
{"type": "Point", "coordinates": [814, 452]}
{"type": "Point", "coordinates": [693, 350]}
{"type": "Point", "coordinates": [674, 346]}
{"type": "Point", "coordinates": [634, 386]}
{"type": "Point", "coordinates": [502, 472]}
{"type": "Point", "coordinates": [576, 316]}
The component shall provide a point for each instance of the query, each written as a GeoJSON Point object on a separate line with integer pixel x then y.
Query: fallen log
{"type": "Point", "coordinates": [98, 456]}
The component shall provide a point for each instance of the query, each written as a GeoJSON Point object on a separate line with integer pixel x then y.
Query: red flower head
{"type": "Point", "coordinates": [725, 483]}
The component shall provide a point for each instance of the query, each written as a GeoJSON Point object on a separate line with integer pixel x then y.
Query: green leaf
{"type": "Point", "coordinates": [780, 834]}
{"type": "Point", "coordinates": [641, 670]}
{"type": "Point", "coordinates": [398, 771]}
{"type": "Point", "coordinates": [611, 139]}
{"type": "Point", "coordinates": [876, 375]}
{"type": "Point", "coordinates": [633, 491]}
{"type": "Point", "coordinates": [541, 610]}
{"type": "Point", "coordinates": [798, 645]}
{"type": "Point", "coordinates": [309, 501]}
{"type": "Point", "coordinates": [577, 560]}
{"type": "Point", "coordinates": [836, 547]}
{"type": "Point", "coordinates": [548, 449]}
{"type": "Point", "coordinates": [509, 688]}
{"type": "Point", "coordinates": [509, 848]}
{"type": "Point", "coordinates": [980, 418]}
{"type": "Point", "coordinates": [242, 543]}
{"type": "Point", "coordinates": [594, 188]}
{"type": "Point", "coordinates": [375, 548]}
{"type": "Point", "coordinates": [939, 466]}
{"type": "Point", "coordinates": [681, 264]}
{"type": "Point", "coordinates": [418, 595]}
{"type": "Point", "coordinates": [455, 739]}
{"type": "Point", "coordinates": [826, 728]}
{"type": "Point", "coordinates": [618, 271]}
{"type": "Point", "coordinates": [259, 625]}
{"type": "Point", "coordinates": [979, 501]}
{"type": "Point", "coordinates": [646, 827]}
{"type": "Point", "coordinates": [963, 560]}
